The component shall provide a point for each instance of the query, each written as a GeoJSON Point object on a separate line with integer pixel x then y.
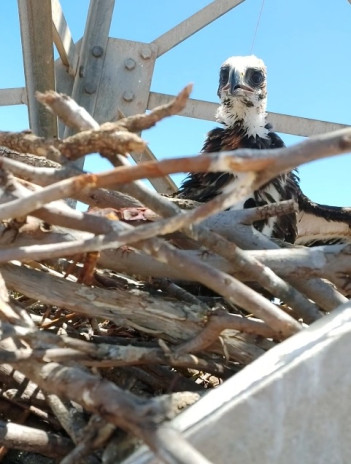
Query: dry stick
{"type": "Point", "coordinates": [316, 289]}
{"type": "Point", "coordinates": [71, 420]}
{"type": "Point", "coordinates": [120, 306]}
{"type": "Point", "coordinates": [216, 325]}
{"type": "Point", "coordinates": [99, 396]}
{"type": "Point", "coordinates": [267, 164]}
{"type": "Point", "coordinates": [26, 142]}
{"type": "Point", "coordinates": [15, 380]}
{"type": "Point", "coordinates": [103, 225]}
{"type": "Point", "coordinates": [70, 113]}
{"type": "Point", "coordinates": [23, 402]}
{"type": "Point", "coordinates": [130, 127]}
{"type": "Point", "coordinates": [76, 146]}
{"type": "Point", "coordinates": [12, 314]}
{"type": "Point", "coordinates": [78, 118]}
{"type": "Point", "coordinates": [28, 158]}
{"type": "Point", "coordinates": [325, 295]}
{"type": "Point", "coordinates": [264, 276]}
{"type": "Point", "coordinates": [306, 309]}
{"type": "Point", "coordinates": [68, 109]}
{"type": "Point", "coordinates": [244, 296]}
{"type": "Point", "coordinates": [95, 434]}
{"type": "Point", "coordinates": [108, 355]}
{"type": "Point", "coordinates": [39, 175]}
{"type": "Point", "coordinates": [275, 162]}
{"type": "Point", "coordinates": [46, 176]}
{"type": "Point", "coordinates": [227, 286]}
{"type": "Point", "coordinates": [116, 239]}
{"type": "Point", "coordinates": [92, 393]}
{"type": "Point", "coordinates": [98, 226]}
{"type": "Point", "coordinates": [260, 273]}
{"type": "Point", "coordinates": [33, 440]}
{"type": "Point", "coordinates": [170, 320]}
{"type": "Point", "coordinates": [157, 230]}
{"type": "Point", "coordinates": [113, 137]}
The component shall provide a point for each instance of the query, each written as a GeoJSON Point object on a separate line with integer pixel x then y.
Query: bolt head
{"type": "Point", "coordinates": [97, 51]}
{"type": "Point", "coordinates": [129, 64]}
{"type": "Point", "coordinates": [128, 96]}
{"type": "Point", "coordinates": [90, 88]}
{"type": "Point", "coordinates": [145, 53]}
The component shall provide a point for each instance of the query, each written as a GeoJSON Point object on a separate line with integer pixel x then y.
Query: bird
{"type": "Point", "coordinates": [242, 116]}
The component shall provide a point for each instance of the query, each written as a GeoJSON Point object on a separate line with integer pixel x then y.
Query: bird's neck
{"type": "Point", "coordinates": [250, 119]}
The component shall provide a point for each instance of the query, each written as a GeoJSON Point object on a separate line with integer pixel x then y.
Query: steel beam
{"type": "Point", "coordinates": [194, 23]}
{"type": "Point", "coordinates": [15, 96]}
{"type": "Point", "coordinates": [295, 125]}
{"type": "Point", "coordinates": [38, 58]}
{"type": "Point", "coordinates": [92, 54]}
{"type": "Point", "coordinates": [63, 38]}
{"type": "Point", "coordinates": [284, 123]}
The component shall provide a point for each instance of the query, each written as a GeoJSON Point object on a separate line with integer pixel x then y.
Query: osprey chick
{"type": "Point", "coordinates": [243, 93]}
{"type": "Point", "coordinates": [242, 112]}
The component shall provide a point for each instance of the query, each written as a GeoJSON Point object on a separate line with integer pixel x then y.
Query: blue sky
{"type": "Point", "coordinates": [305, 45]}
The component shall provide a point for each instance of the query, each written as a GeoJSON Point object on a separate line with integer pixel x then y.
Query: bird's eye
{"type": "Point", "coordinates": [223, 76]}
{"type": "Point", "coordinates": [255, 77]}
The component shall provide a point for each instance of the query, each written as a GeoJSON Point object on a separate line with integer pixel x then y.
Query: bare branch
{"type": "Point", "coordinates": [35, 440]}
{"type": "Point", "coordinates": [70, 113]}
{"type": "Point", "coordinates": [141, 417]}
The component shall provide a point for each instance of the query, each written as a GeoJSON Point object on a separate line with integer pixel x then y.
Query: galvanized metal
{"type": "Point", "coordinates": [38, 57]}
{"type": "Point", "coordinates": [110, 76]}
{"type": "Point", "coordinates": [284, 123]}
{"type": "Point", "coordinates": [91, 62]}
{"type": "Point", "coordinates": [125, 79]}
{"type": "Point", "coordinates": [63, 38]}
{"type": "Point", "coordinates": [189, 26]}
{"type": "Point", "coordinates": [15, 96]}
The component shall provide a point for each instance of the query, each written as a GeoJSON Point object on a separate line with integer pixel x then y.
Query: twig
{"type": "Point", "coordinates": [244, 261]}
{"type": "Point", "coordinates": [70, 113]}
{"type": "Point", "coordinates": [227, 286]}
{"type": "Point", "coordinates": [213, 279]}
{"type": "Point", "coordinates": [26, 142]}
{"type": "Point", "coordinates": [99, 396]}
{"type": "Point", "coordinates": [116, 239]}
{"type": "Point", "coordinates": [107, 355]}
{"type": "Point", "coordinates": [163, 318]}
{"type": "Point", "coordinates": [34, 440]}
{"type": "Point", "coordinates": [75, 116]}
{"type": "Point", "coordinates": [266, 163]}
{"type": "Point", "coordinates": [113, 137]}
{"type": "Point", "coordinates": [94, 436]}
{"type": "Point", "coordinates": [70, 418]}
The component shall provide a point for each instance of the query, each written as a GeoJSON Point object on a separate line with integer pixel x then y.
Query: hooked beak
{"type": "Point", "coordinates": [235, 84]}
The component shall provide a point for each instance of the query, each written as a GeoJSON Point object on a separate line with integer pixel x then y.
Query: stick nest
{"type": "Point", "coordinates": [115, 319]}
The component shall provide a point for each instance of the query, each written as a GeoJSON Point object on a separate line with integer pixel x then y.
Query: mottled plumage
{"type": "Point", "coordinates": [242, 113]}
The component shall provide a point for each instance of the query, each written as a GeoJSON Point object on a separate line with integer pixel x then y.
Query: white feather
{"type": "Point", "coordinates": [254, 117]}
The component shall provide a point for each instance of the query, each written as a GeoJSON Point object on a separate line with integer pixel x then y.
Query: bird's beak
{"type": "Point", "coordinates": [236, 82]}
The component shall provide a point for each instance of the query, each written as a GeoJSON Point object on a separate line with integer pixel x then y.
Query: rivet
{"type": "Point", "coordinates": [145, 53]}
{"type": "Point", "coordinates": [129, 63]}
{"type": "Point", "coordinates": [97, 51]}
{"type": "Point", "coordinates": [128, 96]}
{"type": "Point", "coordinates": [90, 88]}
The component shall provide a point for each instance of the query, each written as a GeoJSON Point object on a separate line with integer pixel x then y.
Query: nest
{"type": "Point", "coordinates": [116, 319]}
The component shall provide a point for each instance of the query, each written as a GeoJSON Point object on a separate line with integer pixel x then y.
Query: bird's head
{"type": "Point", "coordinates": [242, 91]}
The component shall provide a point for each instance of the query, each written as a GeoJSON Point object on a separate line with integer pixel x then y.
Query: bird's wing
{"type": "Point", "coordinates": [322, 224]}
